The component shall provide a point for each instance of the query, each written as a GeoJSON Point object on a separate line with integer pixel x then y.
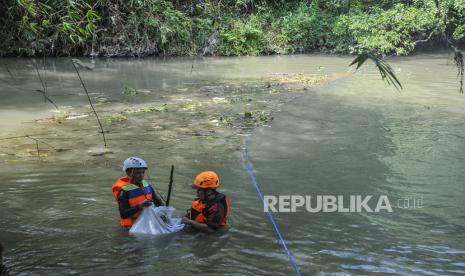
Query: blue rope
{"type": "Point", "coordinates": [248, 168]}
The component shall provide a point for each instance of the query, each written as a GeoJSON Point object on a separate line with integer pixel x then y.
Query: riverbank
{"type": "Point", "coordinates": [225, 28]}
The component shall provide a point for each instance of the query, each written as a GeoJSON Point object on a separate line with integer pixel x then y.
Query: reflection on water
{"type": "Point", "coordinates": [351, 137]}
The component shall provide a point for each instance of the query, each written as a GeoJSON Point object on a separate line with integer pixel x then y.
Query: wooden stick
{"type": "Point", "coordinates": [37, 147]}
{"type": "Point", "coordinates": [73, 61]}
{"type": "Point", "coordinates": [170, 186]}
{"type": "Point", "coordinates": [41, 81]}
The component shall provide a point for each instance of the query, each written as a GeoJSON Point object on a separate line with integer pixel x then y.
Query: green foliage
{"type": "Point", "coordinates": [159, 22]}
{"type": "Point", "coordinates": [242, 37]}
{"type": "Point", "coordinates": [229, 27]}
{"type": "Point", "coordinates": [305, 27]}
{"type": "Point", "coordinates": [385, 70]}
{"type": "Point", "coordinates": [73, 27]}
{"type": "Point", "coordinates": [458, 8]}
{"type": "Point", "coordinates": [383, 31]}
{"type": "Point", "coordinates": [49, 23]}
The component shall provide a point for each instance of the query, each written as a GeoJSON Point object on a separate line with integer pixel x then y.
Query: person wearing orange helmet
{"type": "Point", "coordinates": [210, 210]}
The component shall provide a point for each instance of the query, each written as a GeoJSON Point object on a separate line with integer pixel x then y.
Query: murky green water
{"type": "Point", "coordinates": [354, 136]}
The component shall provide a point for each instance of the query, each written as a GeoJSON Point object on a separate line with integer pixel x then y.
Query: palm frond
{"type": "Point", "coordinates": [385, 70]}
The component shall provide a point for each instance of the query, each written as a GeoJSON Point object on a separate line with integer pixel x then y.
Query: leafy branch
{"type": "Point", "coordinates": [458, 61]}
{"type": "Point", "coordinates": [385, 70]}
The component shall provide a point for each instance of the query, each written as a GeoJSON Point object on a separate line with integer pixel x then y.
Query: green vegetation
{"type": "Point", "coordinates": [231, 27]}
{"type": "Point", "coordinates": [304, 28]}
{"type": "Point", "coordinates": [117, 118]}
{"type": "Point", "coordinates": [243, 37]}
{"type": "Point", "coordinates": [147, 109]}
{"type": "Point", "coordinates": [386, 71]}
{"type": "Point", "coordinates": [259, 117]}
{"type": "Point", "coordinates": [123, 116]}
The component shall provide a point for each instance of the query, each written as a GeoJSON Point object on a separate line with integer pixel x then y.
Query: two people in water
{"type": "Point", "coordinates": [209, 210]}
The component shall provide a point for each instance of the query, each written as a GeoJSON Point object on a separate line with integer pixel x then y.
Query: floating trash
{"type": "Point", "coordinates": [76, 116]}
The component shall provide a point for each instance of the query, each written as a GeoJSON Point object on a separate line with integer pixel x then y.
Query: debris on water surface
{"type": "Point", "coordinates": [99, 151]}
{"type": "Point", "coordinates": [214, 112]}
{"type": "Point", "coordinates": [74, 116]}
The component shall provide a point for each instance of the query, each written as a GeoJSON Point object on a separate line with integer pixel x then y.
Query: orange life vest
{"type": "Point", "coordinates": [198, 209]}
{"type": "Point", "coordinates": [116, 188]}
{"type": "Point", "coordinates": [136, 195]}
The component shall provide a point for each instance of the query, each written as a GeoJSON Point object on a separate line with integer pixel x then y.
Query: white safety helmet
{"type": "Point", "coordinates": [134, 163]}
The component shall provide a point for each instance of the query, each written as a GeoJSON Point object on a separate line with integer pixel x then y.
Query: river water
{"type": "Point", "coordinates": [351, 136]}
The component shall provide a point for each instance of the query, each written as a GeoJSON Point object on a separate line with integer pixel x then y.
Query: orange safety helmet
{"type": "Point", "coordinates": [206, 180]}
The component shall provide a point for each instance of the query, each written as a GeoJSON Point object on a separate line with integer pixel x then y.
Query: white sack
{"type": "Point", "coordinates": [156, 221]}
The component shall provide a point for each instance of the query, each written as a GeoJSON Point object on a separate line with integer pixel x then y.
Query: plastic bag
{"type": "Point", "coordinates": [156, 221]}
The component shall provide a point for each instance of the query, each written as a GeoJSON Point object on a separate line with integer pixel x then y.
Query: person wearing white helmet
{"type": "Point", "coordinates": [132, 192]}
